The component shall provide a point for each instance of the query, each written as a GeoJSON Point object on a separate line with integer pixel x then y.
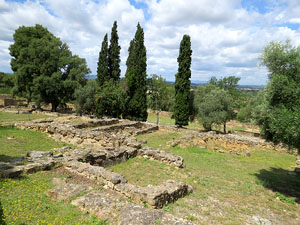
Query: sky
{"type": "Point", "coordinates": [228, 36]}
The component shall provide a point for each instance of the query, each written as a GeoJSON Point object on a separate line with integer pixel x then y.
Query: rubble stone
{"type": "Point", "coordinates": [64, 190]}
{"type": "Point", "coordinates": [155, 196]}
{"type": "Point", "coordinates": [162, 156]}
{"type": "Point", "coordinates": [138, 215]}
{"type": "Point", "coordinates": [105, 206]}
{"type": "Point", "coordinates": [95, 173]}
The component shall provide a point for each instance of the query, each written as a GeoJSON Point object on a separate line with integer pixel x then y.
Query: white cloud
{"type": "Point", "coordinates": [226, 38]}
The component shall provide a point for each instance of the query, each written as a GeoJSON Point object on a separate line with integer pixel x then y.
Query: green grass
{"type": "Point", "coordinates": [168, 121]}
{"type": "Point", "coordinates": [16, 142]}
{"type": "Point", "coordinates": [6, 117]}
{"type": "Point", "coordinates": [227, 188]}
{"type": "Point", "coordinates": [24, 201]}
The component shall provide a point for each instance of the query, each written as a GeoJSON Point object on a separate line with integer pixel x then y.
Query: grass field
{"type": "Point", "coordinates": [231, 125]}
{"type": "Point", "coordinates": [227, 189]}
{"type": "Point", "coordinates": [16, 143]}
{"type": "Point", "coordinates": [6, 117]}
{"type": "Point", "coordinates": [24, 201]}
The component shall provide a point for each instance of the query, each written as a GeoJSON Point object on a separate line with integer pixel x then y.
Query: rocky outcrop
{"type": "Point", "coordinates": [162, 156]}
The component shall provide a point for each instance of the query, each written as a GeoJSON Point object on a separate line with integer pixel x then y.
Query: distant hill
{"type": "Point", "coordinates": [195, 83]}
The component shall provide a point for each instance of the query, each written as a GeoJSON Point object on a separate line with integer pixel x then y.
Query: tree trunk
{"type": "Point", "coordinates": [224, 128]}
{"type": "Point", "coordinates": [157, 118]}
{"type": "Point", "coordinates": [54, 107]}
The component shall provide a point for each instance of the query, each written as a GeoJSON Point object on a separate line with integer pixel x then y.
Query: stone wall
{"type": "Point", "coordinates": [228, 142]}
{"type": "Point", "coordinates": [108, 132]}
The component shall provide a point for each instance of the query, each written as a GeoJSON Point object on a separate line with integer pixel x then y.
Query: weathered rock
{"type": "Point", "coordinates": [95, 173]}
{"type": "Point", "coordinates": [36, 156]}
{"type": "Point", "coordinates": [259, 221]}
{"type": "Point", "coordinates": [104, 205]}
{"type": "Point", "coordinates": [103, 157]}
{"type": "Point", "coordinates": [233, 142]}
{"type": "Point", "coordinates": [64, 190]}
{"type": "Point", "coordinates": [162, 156]}
{"type": "Point", "coordinates": [109, 132]}
{"type": "Point", "coordinates": [174, 143]}
{"type": "Point", "coordinates": [138, 215]}
{"type": "Point", "coordinates": [11, 172]}
{"type": "Point", "coordinates": [155, 196]}
{"type": "Point", "coordinates": [298, 162]}
{"type": "Point", "coordinates": [297, 169]}
{"type": "Point", "coordinates": [143, 142]}
{"type": "Point", "coordinates": [234, 152]}
{"type": "Point", "coordinates": [38, 166]}
{"type": "Point", "coordinates": [146, 130]}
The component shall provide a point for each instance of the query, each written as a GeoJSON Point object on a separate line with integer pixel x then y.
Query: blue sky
{"type": "Point", "coordinates": [227, 36]}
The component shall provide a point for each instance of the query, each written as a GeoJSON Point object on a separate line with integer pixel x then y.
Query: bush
{"type": "Point", "coordinates": [110, 100]}
{"type": "Point", "coordinates": [85, 98]}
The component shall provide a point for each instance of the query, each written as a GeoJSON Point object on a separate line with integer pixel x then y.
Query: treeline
{"type": "Point", "coordinates": [46, 71]}
{"type": "Point", "coordinates": [6, 83]}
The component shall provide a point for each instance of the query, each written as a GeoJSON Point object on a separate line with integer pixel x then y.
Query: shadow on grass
{"type": "Point", "coordinates": [7, 158]}
{"type": "Point", "coordinates": [280, 180]}
{"type": "Point", "coordinates": [2, 221]}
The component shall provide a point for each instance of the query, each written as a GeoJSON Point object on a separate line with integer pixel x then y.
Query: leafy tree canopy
{"type": "Point", "coordinates": [110, 99]}
{"type": "Point", "coordinates": [215, 108]}
{"type": "Point", "coordinates": [281, 118]}
{"type": "Point", "coordinates": [44, 67]}
{"type": "Point", "coordinates": [85, 98]}
{"type": "Point", "coordinates": [161, 94]}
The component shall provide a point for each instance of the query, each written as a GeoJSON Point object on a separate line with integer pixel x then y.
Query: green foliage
{"type": "Point", "coordinates": [161, 94]}
{"type": "Point", "coordinates": [182, 82]}
{"type": "Point", "coordinates": [6, 80]}
{"type": "Point", "coordinates": [44, 67]}
{"type": "Point", "coordinates": [110, 96]}
{"type": "Point", "coordinates": [229, 84]}
{"type": "Point", "coordinates": [114, 54]}
{"type": "Point", "coordinates": [6, 83]}
{"type": "Point", "coordinates": [226, 83]}
{"type": "Point", "coordinates": [103, 69]}
{"type": "Point", "coordinates": [280, 121]}
{"type": "Point", "coordinates": [216, 108]}
{"type": "Point", "coordinates": [284, 198]}
{"type": "Point", "coordinates": [136, 79]}
{"type": "Point", "coordinates": [110, 99]}
{"type": "Point", "coordinates": [85, 98]}
{"type": "Point", "coordinates": [253, 109]}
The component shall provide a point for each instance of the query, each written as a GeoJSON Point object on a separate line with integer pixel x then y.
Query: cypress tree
{"type": "Point", "coordinates": [103, 69]}
{"type": "Point", "coordinates": [136, 78]}
{"type": "Point", "coordinates": [182, 82]}
{"type": "Point", "coordinates": [114, 54]}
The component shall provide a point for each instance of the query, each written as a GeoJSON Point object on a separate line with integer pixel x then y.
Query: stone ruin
{"type": "Point", "coordinates": [102, 143]}
{"type": "Point", "coordinates": [297, 167]}
{"type": "Point", "coordinates": [228, 143]}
